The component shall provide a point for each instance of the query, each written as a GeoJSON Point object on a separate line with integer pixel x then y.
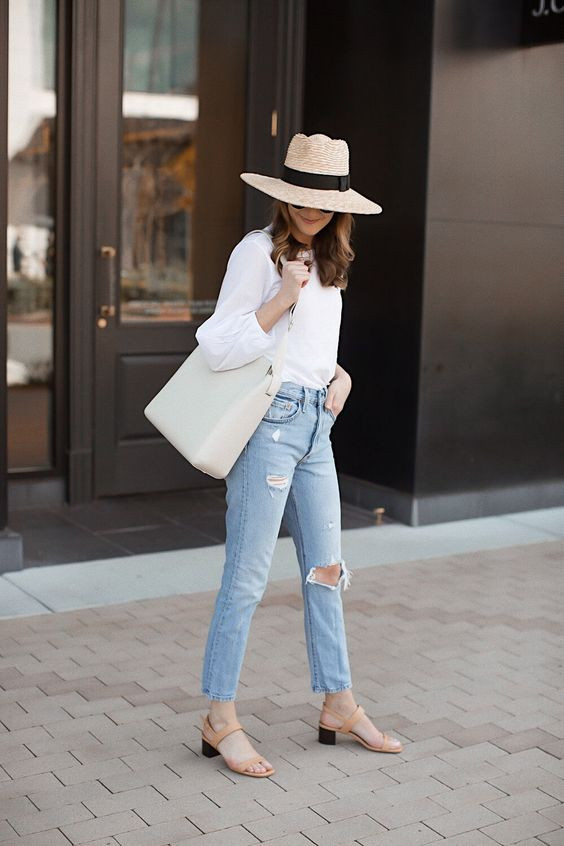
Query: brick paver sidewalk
{"type": "Point", "coordinates": [461, 657]}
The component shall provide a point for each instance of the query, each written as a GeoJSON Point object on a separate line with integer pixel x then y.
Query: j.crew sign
{"type": "Point", "coordinates": [542, 22]}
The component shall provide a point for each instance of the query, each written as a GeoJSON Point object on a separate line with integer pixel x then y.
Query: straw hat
{"type": "Point", "coordinates": [316, 175]}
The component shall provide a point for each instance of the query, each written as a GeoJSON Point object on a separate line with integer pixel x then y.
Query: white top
{"type": "Point", "coordinates": [232, 335]}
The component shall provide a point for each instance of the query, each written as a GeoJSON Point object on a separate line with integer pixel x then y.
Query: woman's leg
{"type": "Point", "coordinates": [257, 489]}
{"type": "Point", "coordinates": [313, 518]}
{"type": "Point", "coordinates": [252, 525]}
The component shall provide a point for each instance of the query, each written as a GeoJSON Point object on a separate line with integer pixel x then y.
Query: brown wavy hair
{"type": "Point", "coordinates": [332, 247]}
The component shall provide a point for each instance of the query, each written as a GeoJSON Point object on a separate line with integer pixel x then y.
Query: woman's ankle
{"type": "Point", "coordinates": [222, 710]}
{"type": "Point", "coordinates": [342, 699]}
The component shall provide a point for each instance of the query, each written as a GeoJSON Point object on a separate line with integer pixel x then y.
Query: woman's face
{"type": "Point", "coordinates": [307, 222]}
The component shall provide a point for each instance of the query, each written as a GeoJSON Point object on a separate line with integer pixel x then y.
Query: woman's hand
{"type": "Point", "coordinates": [295, 274]}
{"type": "Point", "coordinates": [338, 391]}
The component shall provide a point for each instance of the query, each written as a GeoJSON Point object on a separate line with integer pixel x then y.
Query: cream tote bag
{"type": "Point", "coordinates": [209, 415]}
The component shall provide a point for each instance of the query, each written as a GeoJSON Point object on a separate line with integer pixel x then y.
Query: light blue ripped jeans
{"type": "Point", "coordinates": [286, 471]}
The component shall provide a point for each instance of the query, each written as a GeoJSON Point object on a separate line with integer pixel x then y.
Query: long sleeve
{"type": "Point", "coordinates": [232, 335]}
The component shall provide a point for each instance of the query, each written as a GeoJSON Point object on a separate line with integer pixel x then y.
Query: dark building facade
{"type": "Point", "coordinates": [454, 324]}
{"type": "Point", "coordinates": [128, 123]}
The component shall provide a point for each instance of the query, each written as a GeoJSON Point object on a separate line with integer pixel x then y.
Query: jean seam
{"type": "Point", "coordinates": [305, 591]}
{"type": "Point", "coordinates": [236, 560]}
{"type": "Point", "coordinates": [277, 420]}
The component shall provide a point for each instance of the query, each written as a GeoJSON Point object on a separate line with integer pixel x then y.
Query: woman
{"type": "Point", "coordinates": [287, 469]}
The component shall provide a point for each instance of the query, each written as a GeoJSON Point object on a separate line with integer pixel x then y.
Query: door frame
{"type": "Point", "coordinates": [82, 250]}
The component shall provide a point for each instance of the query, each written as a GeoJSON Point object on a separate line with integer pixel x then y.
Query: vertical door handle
{"type": "Point", "coordinates": [108, 309]}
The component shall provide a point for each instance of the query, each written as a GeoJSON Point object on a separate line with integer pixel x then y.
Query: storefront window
{"type": "Point", "coordinates": [32, 110]}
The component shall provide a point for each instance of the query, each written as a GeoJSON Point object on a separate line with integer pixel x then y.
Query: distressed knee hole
{"type": "Point", "coordinates": [276, 482]}
{"type": "Point", "coordinates": [330, 576]}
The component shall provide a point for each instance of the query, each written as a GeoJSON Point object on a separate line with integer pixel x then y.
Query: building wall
{"type": "Point", "coordinates": [491, 403]}
{"type": "Point", "coordinates": [367, 80]}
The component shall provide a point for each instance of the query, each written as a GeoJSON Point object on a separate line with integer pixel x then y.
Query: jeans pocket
{"type": "Point", "coordinates": [282, 409]}
{"type": "Point", "coordinates": [328, 410]}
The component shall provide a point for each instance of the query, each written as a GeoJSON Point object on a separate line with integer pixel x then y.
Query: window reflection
{"type": "Point", "coordinates": [160, 113]}
{"type": "Point", "coordinates": [30, 235]}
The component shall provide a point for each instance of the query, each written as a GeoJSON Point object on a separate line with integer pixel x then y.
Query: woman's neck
{"type": "Point", "coordinates": [301, 238]}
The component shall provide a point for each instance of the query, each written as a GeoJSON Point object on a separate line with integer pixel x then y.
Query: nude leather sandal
{"type": "Point", "coordinates": [327, 733]}
{"type": "Point", "coordinates": [209, 748]}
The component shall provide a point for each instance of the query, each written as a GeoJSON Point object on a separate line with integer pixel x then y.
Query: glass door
{"type": "Point", "coordinates": [158, 150]}
{"type": "Point", "coordinates": [170, 147]}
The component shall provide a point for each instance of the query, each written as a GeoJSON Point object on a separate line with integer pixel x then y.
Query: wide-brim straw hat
{"type": "Point", "coordinates": [316, 175]}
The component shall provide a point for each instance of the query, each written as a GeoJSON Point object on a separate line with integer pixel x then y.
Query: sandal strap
{"type": "Point", "coordinates": [242, 765]}
{"type": "Point", "coordinates": [388, 745]}
{"type": "Point", "coordinates": [354, 718]}
{"type": "Point", "coordinates": [349, 721]}
{"type": "Point", "coordinates": [331, 710]}
{"type": "Point", "coordinates": [228, 729]}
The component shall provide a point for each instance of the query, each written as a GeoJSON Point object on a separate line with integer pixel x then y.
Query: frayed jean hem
{"type": "Point", "coordinates": [218, 696]}
{"type": "Point", "coordinates": [331, 690]}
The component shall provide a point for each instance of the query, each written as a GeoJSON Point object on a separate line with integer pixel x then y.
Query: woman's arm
{"type": "Point", "coordinates": [337, 393]}
{"type": "Point", "coordinates": [270, 313]}
{"type": "Point", "coordinates": [233, 336]}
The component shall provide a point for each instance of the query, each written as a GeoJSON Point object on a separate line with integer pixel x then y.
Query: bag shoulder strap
{"type": "Point", "coordinates": [280, 354]}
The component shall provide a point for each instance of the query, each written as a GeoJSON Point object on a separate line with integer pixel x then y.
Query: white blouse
{"type": "Point", "coordinates": [232, 335]}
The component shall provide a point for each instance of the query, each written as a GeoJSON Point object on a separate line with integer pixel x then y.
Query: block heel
{"type": "Point", "coordinates": [208, 750]}
{"type": "Point", "coordinates": [327, 736]}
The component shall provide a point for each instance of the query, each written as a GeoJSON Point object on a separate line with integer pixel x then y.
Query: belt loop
{"type": "Point", "coordinates": [304, 397]}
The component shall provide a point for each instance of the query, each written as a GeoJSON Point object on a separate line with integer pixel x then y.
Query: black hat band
{"type": "Point", "coordinates": [324, 181]}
